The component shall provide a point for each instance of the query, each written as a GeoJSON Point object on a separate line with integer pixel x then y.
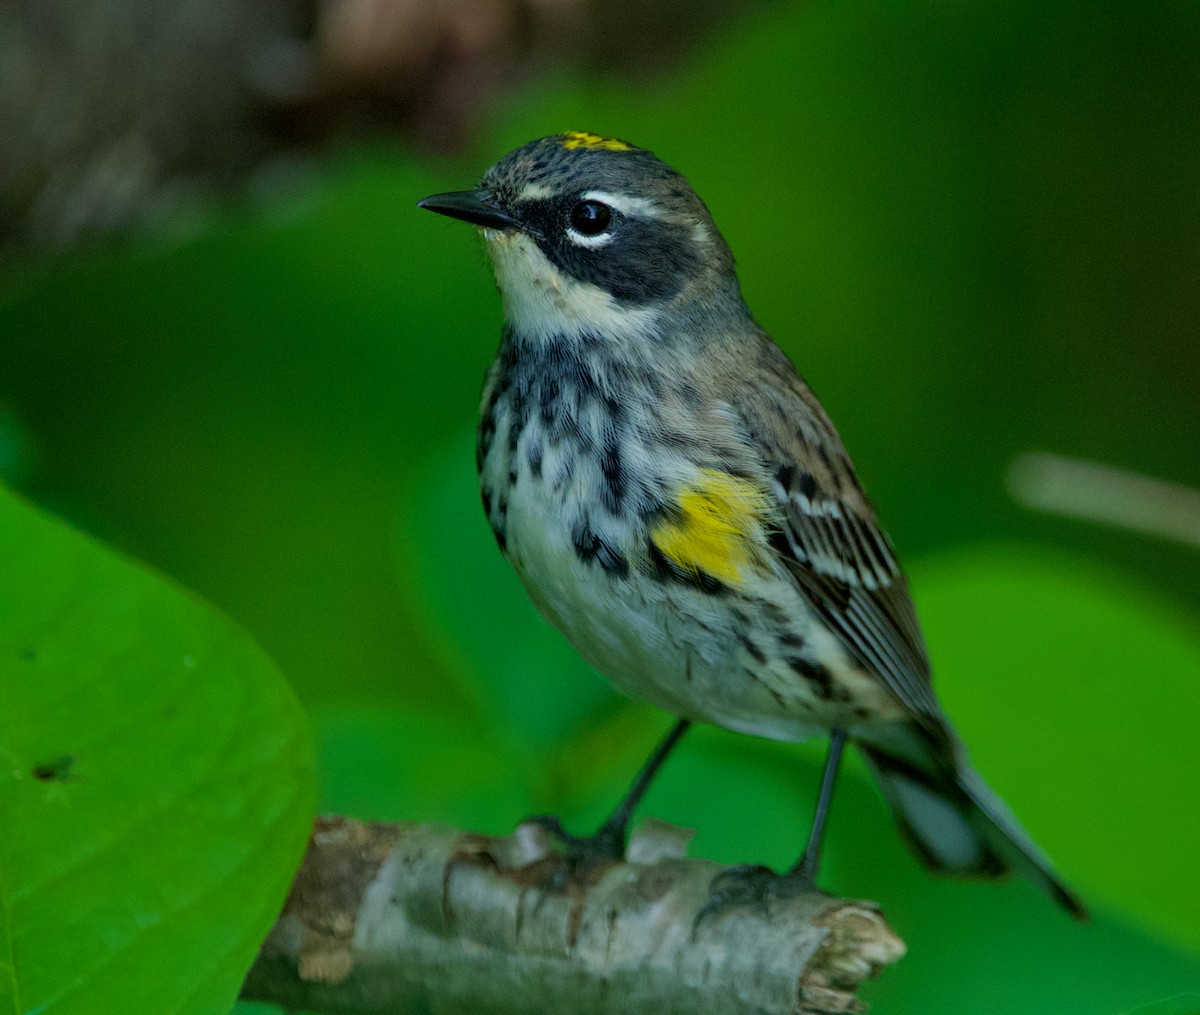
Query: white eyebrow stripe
{"type": "Point", "coordinates": [638, 207]}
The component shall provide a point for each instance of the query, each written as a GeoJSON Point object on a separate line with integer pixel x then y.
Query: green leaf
{"type": "Point", "coordinates": [1077, 690]}
{"type": "Point", "coordinates": [155, 784]}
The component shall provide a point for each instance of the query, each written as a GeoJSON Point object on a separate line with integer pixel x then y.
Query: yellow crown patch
{"type": "Point", "coordinates": [593, 142]}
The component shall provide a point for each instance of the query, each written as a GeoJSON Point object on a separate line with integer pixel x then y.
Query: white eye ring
{"type": "Point", "coordinates": [591, 242]}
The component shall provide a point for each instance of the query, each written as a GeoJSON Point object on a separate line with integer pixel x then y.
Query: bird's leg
{"type": "Point", "coordinates": [751, 884]}
{"type": "Point", "coordinates": [608, 842]}
{"type": "Point", "coordinates": [805, 870]}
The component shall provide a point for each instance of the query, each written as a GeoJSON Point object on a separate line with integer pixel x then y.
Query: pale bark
{"type": "Point", "coordinates": [422, 918]}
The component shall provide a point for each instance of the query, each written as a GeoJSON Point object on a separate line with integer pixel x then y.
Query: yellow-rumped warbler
{"type": "Point", "coordinates": [679, 505]}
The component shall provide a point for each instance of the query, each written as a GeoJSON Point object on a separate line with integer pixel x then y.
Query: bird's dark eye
{"type": "Point", "coordinates": [590, 218]}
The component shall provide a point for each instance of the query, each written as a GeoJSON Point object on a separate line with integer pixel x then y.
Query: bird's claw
{"type": "Point", "coordinates": [750, 886]}
{"type": "Point", "coordinates": [582, 856]}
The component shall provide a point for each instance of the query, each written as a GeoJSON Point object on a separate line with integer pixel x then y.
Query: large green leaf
{"type": "Point", "coordinates": [1077, 690]}
{"type": "Point", "coordinates": [155, 784]}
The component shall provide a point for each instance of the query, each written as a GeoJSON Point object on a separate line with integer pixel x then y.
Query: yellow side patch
{"type": "Point", "coordinates": [715, 528]}
{"type": "Point", "coordinates": [593, 142]}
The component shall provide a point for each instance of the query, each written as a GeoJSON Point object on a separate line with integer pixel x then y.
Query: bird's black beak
{"type": "Point", "coordinates": [475, 206]}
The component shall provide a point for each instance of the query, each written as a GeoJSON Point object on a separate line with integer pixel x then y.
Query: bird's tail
{"type": "Point", "coordinates": [958, 826]}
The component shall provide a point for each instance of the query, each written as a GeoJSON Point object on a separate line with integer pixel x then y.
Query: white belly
{"type": "Point", "coordinates": [674, 646]}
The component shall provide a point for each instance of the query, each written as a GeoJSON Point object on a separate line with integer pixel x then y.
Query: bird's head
{"type": "Point", "coordinates": [589, 234]}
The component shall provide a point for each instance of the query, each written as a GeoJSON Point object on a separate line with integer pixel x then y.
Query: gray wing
{"type": "Point", "coordinates": [844, 565]}
{"type": "Point", "coordinates": [831, 542]}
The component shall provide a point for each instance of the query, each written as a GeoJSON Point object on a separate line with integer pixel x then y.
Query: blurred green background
{"type": "Point", "coordinates": [976, 228]}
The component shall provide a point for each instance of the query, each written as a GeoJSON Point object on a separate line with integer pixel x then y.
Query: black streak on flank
{"type": "Point", "coordinates": [563, 475]}
{"type": "Point", "coordinates": [533, 455]}
{"type": "Point", "coordinates": [518, 416]}
{"type": "Point", "coordinates": [779, 700]}
{"type": "Point", "coordinates": [487, 433]}
{"type": "Point", "coordinates": [590, 548]}
{"type": "Point", "coordinates": [665, 570]}
{"type": "Point", "coordinates": [495, 521]}
{"type": "Point", "coordinates": [818, 676]}
{"type": "Point", "coordinates": [755, 652]}
{"type": "Point", "coordinates": [614, 473]}
{"type": "Point", "coordinates": [548, 405]}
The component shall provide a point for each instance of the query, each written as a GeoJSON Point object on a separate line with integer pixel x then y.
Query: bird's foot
{"type": "Point", "coordinates": [754, 887]}
{"type": "Point", "coordinates": [582, 858]}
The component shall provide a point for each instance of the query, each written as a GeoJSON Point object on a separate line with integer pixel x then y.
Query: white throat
{"type": "Point", "coordinates": [541, 302]}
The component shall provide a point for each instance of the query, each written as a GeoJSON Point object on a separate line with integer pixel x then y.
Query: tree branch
{"type": "Point", "coordinates": [410, 917]}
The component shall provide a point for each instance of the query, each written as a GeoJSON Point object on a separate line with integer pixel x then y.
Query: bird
{"type": "Point", "coordinates": [677, 502]}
